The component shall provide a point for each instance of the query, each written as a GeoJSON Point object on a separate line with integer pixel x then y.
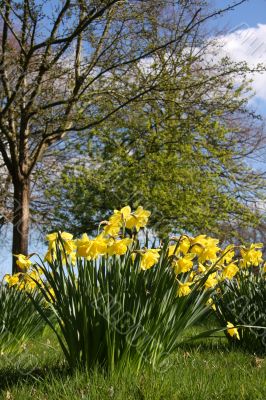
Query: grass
{"type": "Point", "coordinates": [200, 371]}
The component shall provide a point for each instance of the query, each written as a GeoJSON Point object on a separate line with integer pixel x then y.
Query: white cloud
{"type": "Point", "coordinates": [248, 44]}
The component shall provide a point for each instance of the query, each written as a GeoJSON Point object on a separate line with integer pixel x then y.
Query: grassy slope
{"type": "Point", "coordinates": [197, 372]}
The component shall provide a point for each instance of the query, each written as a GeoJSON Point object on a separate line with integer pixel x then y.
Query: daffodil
{"type": "Point", "coordinates": [227, 254]}
{"type": "Point", "coordinates": [201, 268]}
{"type": "Point", "coordinates": [28, 282]}
{"type": "Point", "coordinates": [184, 244]}
{"type": "Point", "coordinates": [65, 237]}
{"type": "Point", "coordinates": [52, 237]}
{"type": "Point", "coordinates": [83, 245]}
{"type": "Point", "coordinates": [211, 304]}
{"type": "Point", "coordinates": [138, 219]}
{"type": "Point", "coordinates": [251, 256]}
{"type": "Point", "coordinates": [12, 280]}
{"type": "Point", "coordinates": [210, 251]}
{"type": "Point", "coordinates": [66, 244]}
{"type": "Point", "coordinates": [230, 271]}
{"type": "Point", "coordinates": [183, 264]}
{"type": "Point", "coordinates": [91, 248]}
{"type": "Point", "coordinates": [23, 262]}
{"type": "Point", "coordinates": [118, 247]}
{"type": "Point", "coordinates": [117, 220]}
{"type": "Point", "coordinates": [149, 258]}
{"type": "Point", "coordinates": [211, 281]}
{"type": "Point", "coordinates": [49, 256]}
{"type": "Point", "coordinates": [232, 331]}
{"type": "Point", "coordinates": [205, 247]}
{"type": "Point", "coordinates": [183, 289]}
{"type": "Point", "coordinates": [124, 213]}
{"type": "Point", "coordinates": [172, 250]}
{"type": "Point", "coordinates": [112, 229]}
{"type": "Point", "coordinates": [198, 244]}
{"type": "Point", "coordinates": [98, 247]}
{"type": "Point", "coordinates": [24, 281]}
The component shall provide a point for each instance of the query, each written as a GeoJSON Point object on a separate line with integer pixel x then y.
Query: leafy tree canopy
{"type": "Point", "coordinates": [182, 153]}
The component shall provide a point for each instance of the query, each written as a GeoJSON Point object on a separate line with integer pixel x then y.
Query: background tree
{"type": "Point", "coordinates": [180, 151]}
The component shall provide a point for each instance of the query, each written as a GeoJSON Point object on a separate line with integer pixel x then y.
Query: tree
{"type": "Point", "coordinates": [180, 152]}
{"type": "Point", "coordinates": [57, 61]}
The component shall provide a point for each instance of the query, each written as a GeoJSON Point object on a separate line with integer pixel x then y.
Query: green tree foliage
{"type": "Point", "coordinates": [182, 152]}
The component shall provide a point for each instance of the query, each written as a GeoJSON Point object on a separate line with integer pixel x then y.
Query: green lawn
{"type": "Point", "coordinates": [200, 371]}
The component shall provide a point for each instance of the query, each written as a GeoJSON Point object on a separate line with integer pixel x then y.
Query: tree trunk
{"type": "Point", "coordinates": [21, 219]}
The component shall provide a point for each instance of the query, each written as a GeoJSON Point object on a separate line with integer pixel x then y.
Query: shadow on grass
{"type": "Point", "coordinates": [14, 375]}
{"type": "Point", "coordinates": [11, 376]}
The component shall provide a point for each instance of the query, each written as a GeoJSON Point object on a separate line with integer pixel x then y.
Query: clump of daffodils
{"type": "Point", "coordinates": [28, 276]}
{"type": "Point", "coordinates": [196, 257]}
{"type": "Point", "coordinates": [191, 258]}
{"type": "Point", "coordinates": [111, 241]}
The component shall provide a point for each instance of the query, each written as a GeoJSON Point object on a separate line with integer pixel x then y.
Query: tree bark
{"type": "Point", "coordinates": [21, 219]}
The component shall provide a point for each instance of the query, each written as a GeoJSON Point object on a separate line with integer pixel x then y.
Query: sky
{"type": "Point", "coordinates": [251, 13]}
{"type": "Point", "coordinates": [244, 39]}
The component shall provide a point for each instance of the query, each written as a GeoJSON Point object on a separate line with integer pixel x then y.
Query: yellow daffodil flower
{"type": "Point", "coordinates": [12, 280]}
{"type": "Point", "coordinates": [98, 247]}
{"type": "Point", "coordinates": [251, 256]}
{"type": "Point", "coordinates": [210, 251]}
{"type": "Point", "coordinates": [28, 283]}
{"type": "Point", "coordinates": [112, 229]}
{"type": "Point", "coordinates": [230, 271]}
{"type": "Point", "coordinates": [23, 262]}
{"type": "Point", "coordinates": [201, 268]}
{"type": "Point", "coordinates": [205, 247]}
{"type": "Point", "coordinates": [69, 244]}
{"type": "Point", "coordinates": [227, 254]}
{"type": "Point", "coordinates": [124, 212]}
{"type": "Point", "coordinates": [49, 256]}
{"type": "Point", "coordinates": [24, 281]}
{"type": "Point", "coordinates": [232, 331]}
{"type": "Point", "coordinates": [211, 304]}
{"type": "Point", "coordinates": [117, 221]}
{"type": "Point", "coordinates": [198, 244]}
{"type": "Point", "coordinates": [172, 249]}
{"type": "Point", "coordinates": [183, 289]}
{"type": "Point", "coordinates": [184, 264]}
{"type": "Point", "coordinates": [52, 237]}
{"type": "Point", "coordinates": [91, 248]}
{"type": "Point", "coordinates": [118, 247]}
{"type": "Point", "coordinates": [184, 244]}
{"type": "Point", "coordinates": [149, 258]}
{"type": "Point", "coordinates": [83, 245]}
{"type": "Point", "coordinates": [138, 219]}
{"type": "Point", "coordinates": [211, 281]}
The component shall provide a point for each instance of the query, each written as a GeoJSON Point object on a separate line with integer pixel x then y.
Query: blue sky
{"type": "Point", "coordinates": [245, 39]}
{"type": "Point", "coordinates": [252, 12]}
